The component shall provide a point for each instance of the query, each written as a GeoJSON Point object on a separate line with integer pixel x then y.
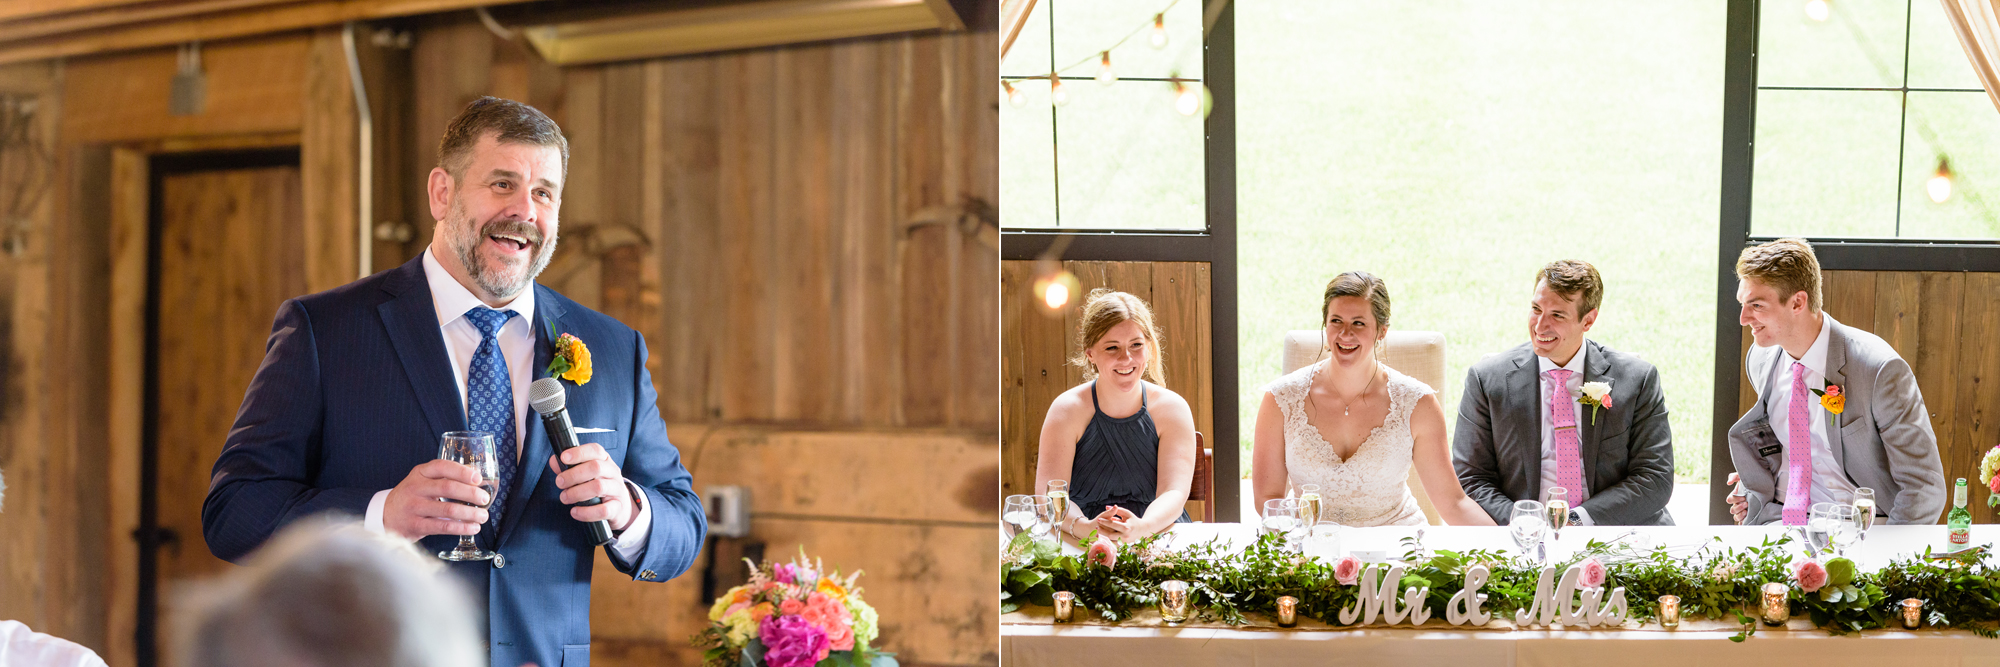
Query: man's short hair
{"type": "Point", "coordinates": [513, 121]}
{"type": "Point", "coordinates": [1786, 264]}
{"type": "Point", "coordinates": [1576, 280]}
{"type": "Point", "coordinates": [332, 594]}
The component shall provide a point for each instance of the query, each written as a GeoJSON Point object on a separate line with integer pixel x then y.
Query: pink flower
{"type": "Point", "coordinates": [1810, 575]}
{"type": "Point", "coordinates": [784, 573]}
{"type": "Point", "coordinates": [791, 607]}
{"type": "Point", "coordinates": [1102, 553]}
{"type": "Point", "coordinates": [830, 615]}
{"type": "Point", "coordinates": [1593, 573]}
{"type": "Point", "coordinates": [1607, 401]}
{"type": "Point", "coordinates": [1833, 390]}
{"type": "Point", "coordinates": [790, 641]}
{"type": "Point", "coordinates": [1995, 484]}
{"type": "Point", "coordinates": [1347, 570]}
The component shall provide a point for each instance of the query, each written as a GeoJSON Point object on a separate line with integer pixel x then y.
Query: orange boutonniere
{"type": "Point", "coordinates": [1834, 399]}
{"type": "Point", "coordinates": [572, 360]}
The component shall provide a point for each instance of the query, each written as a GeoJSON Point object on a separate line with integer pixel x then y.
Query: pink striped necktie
{"type": "Point", "coordinates": [1798, 488]}
{"type": "Point", "coordinates": [1569, 455]}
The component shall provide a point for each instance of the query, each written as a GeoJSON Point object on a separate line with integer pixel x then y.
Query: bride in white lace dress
{"type": "Point", "coordinates": [1354, 426]}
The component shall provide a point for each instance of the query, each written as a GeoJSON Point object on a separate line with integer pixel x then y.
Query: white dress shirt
{"type": "Point", "coordinates": [517, 344]}
{"type": "Point", "coordinates": [1829, 482]}
{"type": "Point", "coordinates": [1572, 388]}
{"type": "Point", "coordinates": [22, 647]}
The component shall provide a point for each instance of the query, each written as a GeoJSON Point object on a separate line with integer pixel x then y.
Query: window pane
{"type": "Point", "coordinates": [1030, 54]}
{"type": "Point", "coordinates": [1966, 128]}
{"type": "Point", "coordinates": [1859, 45]}
{"type": "Point", "coordinates": [1126, 159]}
{"type": "Point", "coordinates": [1823, 166]}
{"type": "Point", "coordinates": [1086, 27]}
{"type": "Point", "coordinates": [1453, 148]}
{"type": "Point", "coordinates": [1027, 159]}
{"type": "Point", "coordinates": [1937, 60]}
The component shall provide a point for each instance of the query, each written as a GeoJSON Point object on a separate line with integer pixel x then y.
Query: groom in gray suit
{"type": "Point", "coordinates": [1523, 426]}
{"type": "Point", "coordinates": [1836, 409]}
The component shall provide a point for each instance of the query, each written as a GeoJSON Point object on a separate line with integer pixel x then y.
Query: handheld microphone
{"type": "Point", "coordinates": [550, 401]}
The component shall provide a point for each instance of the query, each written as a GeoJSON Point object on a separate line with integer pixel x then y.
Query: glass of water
{"type": "Point", "coordinates": [1283, 516]}
{"type": "Point", "coordinates": [1017, 515]}
{"type": "Point", "coordinates": [1845, 530]}
{"type": "Point", "coordinates": [1043, 512]}
{"type": "Point", "coordinates": [1528, 526]}
{"type": "Point", "coordinates": [1819, 527]}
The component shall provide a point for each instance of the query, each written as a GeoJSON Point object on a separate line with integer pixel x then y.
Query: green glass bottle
{"type": "Point", "coordinates": [1961, 520]}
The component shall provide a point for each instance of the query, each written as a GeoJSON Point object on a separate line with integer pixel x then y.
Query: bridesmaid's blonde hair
{"type": "Point", "coordinates": [1105, 309]}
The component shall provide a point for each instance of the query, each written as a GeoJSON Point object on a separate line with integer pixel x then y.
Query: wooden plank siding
{"type": "Point", "coordinates": [1934, 320]}
{"type": "Point", "coordinates": [797, 232]}
{"type": "Point", "coordinates": [1036, 348]}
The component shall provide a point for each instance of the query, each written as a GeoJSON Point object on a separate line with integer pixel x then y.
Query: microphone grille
{"type": "Point", "coordinates": [546, 395]}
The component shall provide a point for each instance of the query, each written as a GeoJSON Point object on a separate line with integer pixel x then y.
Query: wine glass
{"type": "Point", "coordinates": [1819, 527]}
{"type": "Point", "coordinates": [1528, 526]}
{"type": "Point", "coordinates": [1556, 505]}
{"type": "Point", "coordinates": [1282, 516]}
{"type": "Point", "coordinates": [1309, 499]}
{"type": "Point", "coordinates": [1042, 516]}
{"type": "Point", "coordinates": [1058, 495]}
{"type": "Point", "coordinates": [472, 448]}
{"type": "Point", "coordinates": [1864, 510]}
{"type": "Point", "coordinates": [1844, 528]}
{"type": "Point", "coordinates": [1017, 515]}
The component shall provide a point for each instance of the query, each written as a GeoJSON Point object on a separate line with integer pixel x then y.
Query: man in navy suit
{"type": "Point", "coordinates": [359, 382]}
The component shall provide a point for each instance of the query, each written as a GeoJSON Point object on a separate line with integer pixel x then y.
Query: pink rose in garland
{"type": "Point", "coordinates": [1347, 570]}
{"type": "Point", "coordinates": [1102, 553]}
{"type": "Point", "coordinates": [792, 641]}
{"type": "Point", "coordinates": [1593, 573]}
{"type": "Point", "coordinates": [1810, 575]}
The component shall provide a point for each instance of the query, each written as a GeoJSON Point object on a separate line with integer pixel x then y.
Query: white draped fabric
{"type": "Point", "coordinates": [1978, 25]}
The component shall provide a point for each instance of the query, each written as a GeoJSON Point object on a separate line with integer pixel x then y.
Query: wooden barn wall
{"type": "Point", "coordinates": [1036, 348]}
{"type": "Point", "coordinates": [1937, 322]}
{"type": "Point", "coordinates": [803, 234]}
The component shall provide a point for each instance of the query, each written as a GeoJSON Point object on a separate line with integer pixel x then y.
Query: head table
{"type": "Point", "coordinates": [1031, 637]}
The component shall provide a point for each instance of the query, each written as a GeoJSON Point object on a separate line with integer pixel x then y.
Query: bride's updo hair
{"type": "Point", "coordinates": [1104, 309]}
{"type": "Point", "coordinates": [1362, 284]}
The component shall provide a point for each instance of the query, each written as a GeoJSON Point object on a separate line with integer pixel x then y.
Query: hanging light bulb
{"type": "Point", "coordinates": [1187, 98]}
{"type": "Point", "coordinates": [1104, 74]}
{"type": "Point", "coordinates": [1054, 287]}
{"type": "Point", "coordinates": [1056, 93]}
{"type": "Point", "coordinates": [1818, 10]}
{"type": "Point", "coordinates": [1159, 36]}
{"type": "Point", "coordinates": [1939, 187]}
{"type": "Point", "coordinates": [1014, 95]}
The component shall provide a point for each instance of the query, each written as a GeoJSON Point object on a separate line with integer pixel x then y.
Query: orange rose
{"type": "Point", "coordinates": [579, 362]}
{"type": "Point", "coordinates": [1834, 402]}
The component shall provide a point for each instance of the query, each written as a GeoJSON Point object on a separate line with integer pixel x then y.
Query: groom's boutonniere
{"type": "Point", "coordinates": [1834, 399]}
{"type": "Point", "coordinates": [1596, 395]}
{"type": "Point", "coordinates": [572, 360]}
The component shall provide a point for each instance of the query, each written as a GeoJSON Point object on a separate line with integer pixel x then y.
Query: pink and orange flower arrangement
{"type": "Point", "coordinates": [791, 615]}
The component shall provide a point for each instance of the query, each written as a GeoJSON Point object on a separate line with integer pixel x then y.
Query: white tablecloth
{"type": "Point", "coordinates": [1029, 638]}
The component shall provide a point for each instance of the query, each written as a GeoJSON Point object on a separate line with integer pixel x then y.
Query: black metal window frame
{"type": "Point", "coordinates": [1215, 245]}
{"type": "Point", "coordinates": [1739, 133]}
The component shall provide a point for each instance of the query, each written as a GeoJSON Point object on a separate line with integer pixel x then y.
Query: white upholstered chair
{"type": "Point", "coordinates": [1418, 354]}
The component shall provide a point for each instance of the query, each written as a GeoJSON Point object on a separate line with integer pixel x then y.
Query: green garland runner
{"type": "Point", "coordinates": [1959, 590]}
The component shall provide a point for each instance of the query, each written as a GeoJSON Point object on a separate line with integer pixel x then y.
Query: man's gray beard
{"type": "Point", "coordinates": [467, 249]}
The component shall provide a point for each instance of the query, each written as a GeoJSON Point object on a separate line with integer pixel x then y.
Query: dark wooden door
{"type": "Point", "coordinates": [228, 249]}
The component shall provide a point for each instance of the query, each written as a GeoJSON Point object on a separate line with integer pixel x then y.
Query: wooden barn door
{"type": "Point", "coordinates": [227, 249]}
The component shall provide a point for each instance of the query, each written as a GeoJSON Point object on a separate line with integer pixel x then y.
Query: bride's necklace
{"type": "Point", "coordinates": [1345, 410]}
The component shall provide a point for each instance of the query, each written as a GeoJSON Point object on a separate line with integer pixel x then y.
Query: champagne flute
{"type": "Point", "coordinates": [1309, 497]}
{"type": "Point", "coordinates": [1058, 496]}
{"type": "Point", "coordinates": [472, 448]}
{"type": "Point", "coordinates": [1844, 529]}
{"type": "Point", "coordinates": [1864, 510]}
{"type": "Point", "coordinates": [1557, 507]}
{"type": "Point", "coordinates": [1819, 527]}
{"type": "Point", "coordinates": [1528, 526]}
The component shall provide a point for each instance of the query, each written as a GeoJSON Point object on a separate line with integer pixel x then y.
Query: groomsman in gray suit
{"type": "Point", "coordinates": [1525, 426]}
{"type": "Point", "coordinates": [1836, 409]}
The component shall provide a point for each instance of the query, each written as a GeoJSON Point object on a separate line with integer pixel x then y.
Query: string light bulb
{"type": "Point", "coordinates": [1939, 187]}
{"type": "Point", "coordinates": [1818, 10]}
{"type": "Point", "coordinates": [1187, 99]}
{"type": "Point", "coordinates": [1054, 287]}
{"type": "Point", "coordinates": [1104, 74]}
{"type": "Point", "coordinates": [1056, 93]}
{"type": "Point", "coordinates": [1159, 37]}
{"type": "Point", "coordinates": [1015, 96]}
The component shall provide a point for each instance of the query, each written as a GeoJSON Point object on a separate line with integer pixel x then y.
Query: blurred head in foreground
{"type": "Point", "coordinates": [331, 594]}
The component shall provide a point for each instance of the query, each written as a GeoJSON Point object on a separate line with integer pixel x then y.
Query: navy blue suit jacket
{"type": "Point", "coordinates": [356, 389]}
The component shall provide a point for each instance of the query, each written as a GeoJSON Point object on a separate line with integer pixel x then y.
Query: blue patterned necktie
{"type": "Point", "coordinates": [489, 403]}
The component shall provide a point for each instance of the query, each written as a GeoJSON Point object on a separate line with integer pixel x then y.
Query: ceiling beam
{"type": "Point", "coordinates": [269, 16]}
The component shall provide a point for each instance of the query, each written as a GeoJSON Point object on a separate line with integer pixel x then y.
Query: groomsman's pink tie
{"type": "Point", "coordinates": [1569, 455]}
{"type": "Point", "coordinates": [1798, 490]}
